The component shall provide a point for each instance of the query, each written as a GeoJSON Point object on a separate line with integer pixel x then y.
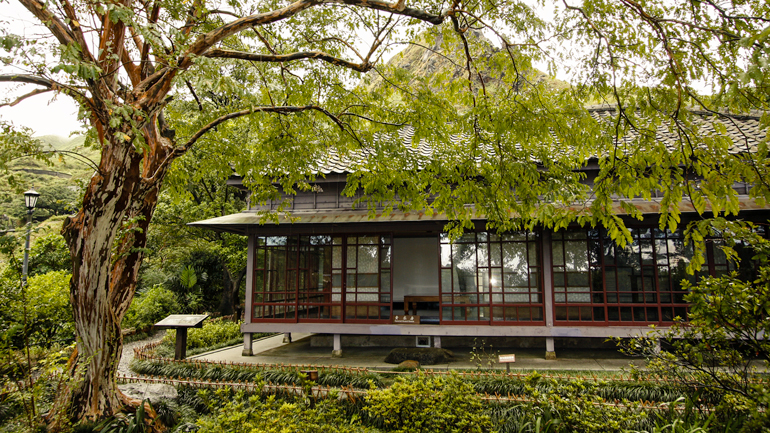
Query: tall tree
{"type": "Point", "coordinates": [155, 78]}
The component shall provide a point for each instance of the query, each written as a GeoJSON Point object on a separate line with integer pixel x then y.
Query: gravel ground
{"type": "Point", "coordinates": [128, 352]}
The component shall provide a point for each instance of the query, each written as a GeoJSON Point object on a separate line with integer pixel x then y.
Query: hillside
{"type": "Point", "coordinates": [433, 57]}
{"type": "Point", "coordinates": [59, 180]}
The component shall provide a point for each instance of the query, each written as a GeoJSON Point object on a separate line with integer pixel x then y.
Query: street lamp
{"type": "Point", "coordinates": [30, 200]}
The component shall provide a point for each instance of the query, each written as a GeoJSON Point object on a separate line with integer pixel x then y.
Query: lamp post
{"type": "Point", "coordinates": [30, 200]}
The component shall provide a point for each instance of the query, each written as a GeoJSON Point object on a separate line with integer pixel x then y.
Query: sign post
{"type": "Point", "coordinates": [507, 360]}
{"type": "Point", "coordinates": [181, 322]}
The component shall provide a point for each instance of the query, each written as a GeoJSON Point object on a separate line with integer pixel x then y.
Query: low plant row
{"type": "Point", "coordinates": [607, 390]}
{"type": "Point", "coordinates": [423, 403]}
{"type": "Point", "coordinates": [253, 373]}
{"type": "Point", "coordinates": [361, 379]}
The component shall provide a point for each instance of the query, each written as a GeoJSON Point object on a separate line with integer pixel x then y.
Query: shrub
{"type": "Point", "coordinates": [241, 414]}
{"type": "Point", "coordinates": [49, 315]}
{"type": "Point", "coordinates": [725, 332]}
{"type": "Point", "coordinates": [575, 406]}
{"type": "Point", "coordinates": [49, 253]}
{"type": "Point", "coordinates": [150, 307]}
{"type": "Point", "coordinates": [249, 373]}
{"type": "Point", "coordinates": [428, 404]}
{"type": "Point", "coordinates": [50, 302]}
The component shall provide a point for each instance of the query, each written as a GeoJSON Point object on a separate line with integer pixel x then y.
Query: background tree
{"type": "Point", "coordinates": [723, 345]}
{"type": "Point", "coordinates": [154, 79]}
{"type": "Point", "coordinates": [121, 62]}
{"type": "Point", "coordinates": [172, 245]}
{"type": "Point", "coordinates": [49, 313]}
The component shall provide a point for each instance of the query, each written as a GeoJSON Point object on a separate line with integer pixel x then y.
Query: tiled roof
{"type": "Point", "coordinates": [744, 130]}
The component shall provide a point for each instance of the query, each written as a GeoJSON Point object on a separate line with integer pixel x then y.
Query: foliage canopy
{"type": "Point", "coordinates": [265, 88]}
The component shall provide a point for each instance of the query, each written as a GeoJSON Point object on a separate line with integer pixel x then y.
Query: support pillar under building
{"type": "Point", "coordinates": [248, 339]}
{"type": "Point", "coordinates": [550, 353]}
{"type": "Point", "coordinates": [337, 349]}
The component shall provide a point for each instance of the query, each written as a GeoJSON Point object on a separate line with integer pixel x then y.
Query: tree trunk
{"type": "Point", "coordinates": [235, 294]}
{"type": "Point", "coordinates": [106, 239]}
{"type": "Point", "coordinates": [230, 295]}
{"type": "Point", "coordinates": [225, 303]}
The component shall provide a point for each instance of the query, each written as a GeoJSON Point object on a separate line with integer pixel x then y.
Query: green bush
{"type": "Point", "coordinates": [241, 414]}
{"type": "Point", "coordinates": [725, 333]}
{"type": "Point", "coordinates": [48, 312]}
{"type": "Point", "coordinates": [428, 404]}
{"type": "Point", "coordinates": [574, 405]}
{"type": "Point", "coordinates": [49, 308]}
{"type": "Point", "coordinates": [49, 253]}
{"type": "Point", "coordinates": [150, 307]}
{"type": "Point", "coordinates": [248, 373]}
{"type": "Point", "coordinates": [606, 389]}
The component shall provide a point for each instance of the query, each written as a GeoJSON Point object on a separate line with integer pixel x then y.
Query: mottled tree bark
{"type": "Point", "coordinates": [107, 236]}
{"type": "Point", "coordinates": [106, 239]}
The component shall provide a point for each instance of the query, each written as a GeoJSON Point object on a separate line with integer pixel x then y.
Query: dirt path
{"type": "Point", "coordinates": [128, 352]}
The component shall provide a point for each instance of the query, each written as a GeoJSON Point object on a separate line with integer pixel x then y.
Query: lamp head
{"type": "Point", "coordinates": [30, 198]}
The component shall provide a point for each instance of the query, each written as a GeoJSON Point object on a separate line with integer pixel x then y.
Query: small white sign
{"type": "Point", "coordinates": [504, 359]}
{"type": "Point", "coordinates": [406, 319]}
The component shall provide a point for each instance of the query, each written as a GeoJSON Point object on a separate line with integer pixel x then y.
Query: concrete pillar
{"type": "Point", "coordinates": [550, 353]}
{"type": "Point", "coordinates": [247, 341]}
{"type": "Point", "coordinates": [337, 349]}
{"type": "Point", "coordinates": [437, 341]}
{"type": "Point", "coordinates": [287, 337]}
{"type": "Point", "coordinates": [248, 307]}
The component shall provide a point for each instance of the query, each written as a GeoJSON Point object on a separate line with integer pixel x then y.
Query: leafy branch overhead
{"type": "Point", "coordinates": [268, 88]}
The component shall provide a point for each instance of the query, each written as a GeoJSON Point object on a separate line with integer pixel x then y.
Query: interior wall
{"type": "Point", "coordinates": [415, 267]}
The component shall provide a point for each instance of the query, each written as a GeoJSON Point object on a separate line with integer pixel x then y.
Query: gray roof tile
{"type": "Point", "coordinates": [744, 131]}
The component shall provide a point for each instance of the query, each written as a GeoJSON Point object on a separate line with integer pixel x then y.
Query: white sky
{"type": "Point", "coordinates": [45, 114]}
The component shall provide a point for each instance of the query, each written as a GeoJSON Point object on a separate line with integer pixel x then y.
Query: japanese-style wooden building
{"type": "Point", "coordinates": [336, 270]}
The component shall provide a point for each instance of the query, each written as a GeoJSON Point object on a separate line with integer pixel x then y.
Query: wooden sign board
{"type": "Point", "coordinates": [504, 359]}
{"type": "Point", "coordinates": [507, 360]}
{"type": "Point", "coordinates": [182, 321]}
{"type": "Point", "coordinates": [406, 320]}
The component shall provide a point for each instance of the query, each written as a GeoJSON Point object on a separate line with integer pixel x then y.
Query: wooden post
{"type": "Point", "coordinates": [180, 351]}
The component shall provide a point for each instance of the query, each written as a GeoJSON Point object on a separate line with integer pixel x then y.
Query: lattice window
{"type": "Point", "coordinates": [490, 278]}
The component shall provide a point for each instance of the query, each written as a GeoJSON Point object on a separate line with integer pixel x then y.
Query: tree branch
{"type": "Point", "coordinates": [43, 82]}
{"type": "Point", "coordinates": [280, 58]}
{"type": "Point", "coordinates": [161, 80]}
{"type": "Point", "coordinates": [195, 95]}
{"type": "Point", "coordinates": [271, 109]}
{"type": "Point", "coordinates": [30, 79]}
{"type": "Point", "coordinates": [54, 24]}
{"type": "Point", "coordinates": [50, 85]}
{"type": "Point", "coordinates": [77, 32]}
{"type": "Point", "coordinates": [25, 96]}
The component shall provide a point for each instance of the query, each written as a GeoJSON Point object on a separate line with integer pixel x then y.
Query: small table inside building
{"type": "Point", "coordinates": [410, 302]}
{"type": "Point", "coordinates": [181, 322]}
